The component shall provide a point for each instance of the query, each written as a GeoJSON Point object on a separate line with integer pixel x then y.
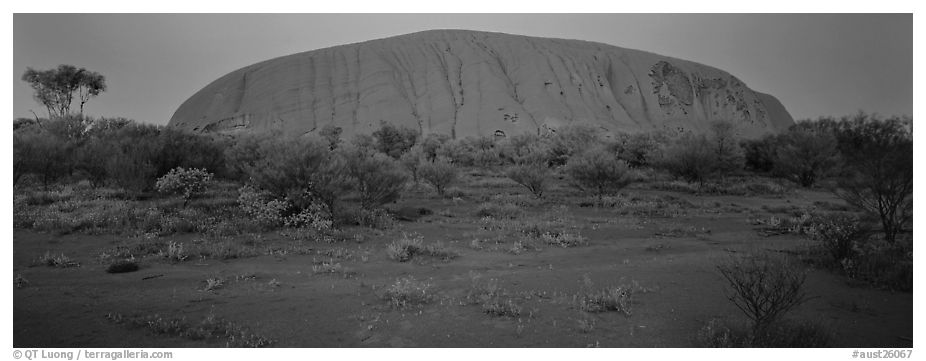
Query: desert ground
{"type": "Point", "coordinates": [496, 268]}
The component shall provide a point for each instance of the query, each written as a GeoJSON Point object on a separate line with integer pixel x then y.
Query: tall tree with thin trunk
{"type": "Point", "coordinates": [56, 88]}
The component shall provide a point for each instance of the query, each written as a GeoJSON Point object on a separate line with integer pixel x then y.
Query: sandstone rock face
{"type": "Point", "coordinates": [466, 83]}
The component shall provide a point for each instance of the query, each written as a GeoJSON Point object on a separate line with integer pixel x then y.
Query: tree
{"type": "Point", "coordinates": [599, 172]}
{"type": "Point", "coordinates": [394, 141]}
{"type": "Point", "coordinates": [301, 170]}
{"type": "Point", "coordinates": [332, 134]}
{"type": "Point", "coordinates": [38, 152]}
{"type": "Point", "coordinates": [188, 183]}
{"type": "Point", "coordinates": [376, 177]}
{"type": "Point", "coordinates": [56, 88]}
{"type": "Point", "coordinates": [764, 287]}
{"type": "Point", "coordinates": [724, 145]}
{"type": "Point", "coordinates": [804, 156]}
{"type": "Point", "coordinates": [878, 169]}
{"type": "Point", "coordinates": [691, 158]}
{"type": "Point", "coordinates": [533, 176]}
{"type": "Point", "coordinates": [440, 173]}
{"type": "Point", "coordinates": [570, 140]}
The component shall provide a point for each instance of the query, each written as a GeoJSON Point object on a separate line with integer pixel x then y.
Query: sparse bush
{"type": "Point", "coordinates": [209, 329]}
{"type": "Point", "coordinates": [882, 264]}
{"type": "Point", "coordinates": [329, 266]}
{"type": "Point", "coordinates": [315, 216]}
{"type": "Point", "coordinates": [407, 292]}
{"type": "Point", "coordinates": [764, 287]}
{"type": "Point", "coordinates": [214, 283]}
{"type": "Point", "coordinates": [431, 143]}
{"type": "Point", "coordinates": [838, 234]}
{"type": "Point", "coordinates": [724, 145]}
{"type": "Point", "coordinates": [571, 140]}
{"type": "Point", "coordinates": [188, 183]}
{"type": "Point", "coordinates": [405, 248]}
{"type": "Point", "coordinates": [459, 152]}
{"type": "Point", "coordinates": [878, 170]}
{"type": "Point", "coordinates": [303, 171]}
{"type": "Point", "coordinates": [690, 158]}
{"type": "Point", "coordinates": [376, 218]}
{"type": "Point", "coordinates": [599, 173]}
{"type": "Point", "coordinates": [502, 307]}
{"type": "Point", "coordinates": [376, 177]}
{"type": "Point", "coordinates": [759, 155]}
{"type": "Point", "coordinates": [804, 157]}
{"type": "Point", "coordinates": [606, 299]}
{"type": "Point", "coordinates": [394, 141]}
{"type": "Point", "coordinates": [411, 160]}
{"type": "Point", "coordinates": [20, 282]}
{"type": "Point", "coordinates": [534, 177]}
{"type": "Point", "coordinates": [526, 149]}
{"type": "Point", "coordinates": [638, 150]}
{"type": "Point", "coordinates": [257, 204]}
{"type": "Point", "coordinates": [439, 174]}
{"type": "Point", "coordinates": [175, 252]}
{"type": "Point", "coordinates": [563, 239]}
{"type": "Point", "coordinates": [56, 260]}
{"type": "Point", "coordinates": [332, 135]}
{"type": "Point", "coordinates": [781, 334]}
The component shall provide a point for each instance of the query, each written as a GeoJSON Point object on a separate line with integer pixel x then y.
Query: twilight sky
{"type": "Point", "coordinates": [815, 64]}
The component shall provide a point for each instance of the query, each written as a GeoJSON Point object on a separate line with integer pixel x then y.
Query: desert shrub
{"type": "Point", "coordinates": [407, 292]}
{"type": "Point", "coordinates": [56, 260]}
{"type": "Point", "coordinates": [804, 156]}
{"type": "Point", "coordinates": [533, 176]}
{"type": "Point", "coordinates": [838, 234]}
{"type": "Point", "coordinates": [90, 159]}
{"type": "Point", "coordinates": [881, 264]}
{"type": "Point", "coordinates": [303, 171]}
{"type": "Point", "coordinates": [590, 299]}
{"type": "Point", "coordinates": [377, 218]}
{"type": "Point", "coordinates": [259, 205]}
{"type": "Point", "coordinates": [439, 173]}
{"type": "Point", "coordinates": [332, 135]}
{"type": "Point", "coordinates": [525, 148]}
{"type": "Point", "coordinates": [764, 287]}
{"type": "Point", "coordinates": [411, 160]}
{"type": "Point", "coordinates": [563, 239]}
{"type": "Point", "coordinates": [394, 141]}
{"type": "Point", "coordinates": [599, 173]}
{"type": "Point", "coordinates": [243, 154]}
{"type": "Point", "coordinates": [571, 140]}
{"type": "Point", "coordinates": [724, 145]}
{"type": "Point", "coordinates": [781, 334]}
{"type": "Point", "coordinates": [131, 170]}
{"type": "Point", "coordinates": [376, 177]}
{"type": "Point", "coordinates": [638, 150]}
{"type": "Point", "coordinates": [690, 158]}
{"type": "Point", "coordinates": [211, 328]}
{"type": "Point", "coordinates": [314, 216]}
{"type": "Point", "coordinates": [431, 143]}
{"type": "Point", "coordinates": [878, 169]}
{"type": "Point", "coordinates": [188, 183]}
{"type": "Point", "coordinates": [41, 153]}
{"type": "Point", "coordinates": [405, 248]}
{"type": "Point", "coordinates": [486, 158]}
{"type": "Point", "coordinates": [759, 154]}
{"type": "Point", "coordinates": [458, 152]}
